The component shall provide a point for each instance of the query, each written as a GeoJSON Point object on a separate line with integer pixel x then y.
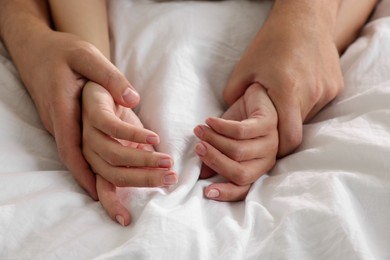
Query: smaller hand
{"type": "Point", "coordinates": [119, 150]}
{"type": "Point", "coordinates": [241, 146]}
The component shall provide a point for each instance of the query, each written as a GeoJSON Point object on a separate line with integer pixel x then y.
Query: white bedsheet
{"type": "Point", "coordinates": [329, 200]}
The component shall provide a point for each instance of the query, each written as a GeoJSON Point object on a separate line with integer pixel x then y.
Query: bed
{"type": "Point", "coordinates": [328, 200]}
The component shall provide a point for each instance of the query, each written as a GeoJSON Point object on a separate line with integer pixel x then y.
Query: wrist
{"type": "Point", "coordinates": [312, 14]}
{"type": "Point", "coordinates": [20, 21]}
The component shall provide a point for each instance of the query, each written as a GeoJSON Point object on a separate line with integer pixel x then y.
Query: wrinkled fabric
{"type": "Point", "coordinates": [328, 200]}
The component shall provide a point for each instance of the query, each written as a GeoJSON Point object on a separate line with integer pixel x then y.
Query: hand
{"type": "Point", "coordinates": [295, 58]}
{"type": "Point", "coordinates": [241, 146]}
{"type": "Point", "coordinates": [54, 68]}
{"type": "Point", "coordinates": [119, 150]}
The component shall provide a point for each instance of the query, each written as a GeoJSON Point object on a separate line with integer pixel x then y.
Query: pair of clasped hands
{"type": "Point", "coordinates": [264, 120]}
{"type": "Point", "coordinates": [241, 146]}
{"type": "Point", "coordinates": [286, 75]}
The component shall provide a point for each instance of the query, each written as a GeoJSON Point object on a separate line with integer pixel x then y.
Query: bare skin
{"type": "Point", "coordinates": [115, 143]}
{"type": "Point", "coordinates": [308, 78]}
{"type": "Point", "coordinates": [23, 25]}
{"type": "Point", "coordinates": [295, 58]}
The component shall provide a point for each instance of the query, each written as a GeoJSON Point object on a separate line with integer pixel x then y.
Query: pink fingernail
{"type": "Point", "coordinates": [170, 179]}
{"type": "Point", "coordinates": [213, 193]}
{"type": "Point", "coordinates": [199, 132]}
{"type": "Point", "coordinates": [130, 96]}
{"type": "Point", "coordinates": [210, 120]}
{"type": "Point", "coordinates": [152, 139]}
{"type": "Point", "coordinates": [201, 149]}
{"type": "Point", "coordinates": [120, 220]}
{"type": "Point", "coordinates": [165, 163]}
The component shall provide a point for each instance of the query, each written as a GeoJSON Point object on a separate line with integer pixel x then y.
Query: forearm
{"type": "Point", "coordinates": [21, 22]}
{"type": "Point", "coordinates": [308, 13]}
{"type": "Point", "coordinates": [86, 19]}
{"type": "Point", "coordinates": [352, 15]}
{"type": "Point", "coordinates": [342, 18]}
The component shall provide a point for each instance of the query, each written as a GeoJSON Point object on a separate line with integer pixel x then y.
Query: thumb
{"type": "Point", "coordinates": [236, 85]}
{"type": "Point", "coordinates": [289, 125]}
{"type": "Point", "coordinates": [95, 67]}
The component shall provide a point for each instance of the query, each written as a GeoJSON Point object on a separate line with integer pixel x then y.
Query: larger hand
{"type": "Point", "coordinates": [54, 71]}
{"type": "Point", "coordinates": [295, 58]}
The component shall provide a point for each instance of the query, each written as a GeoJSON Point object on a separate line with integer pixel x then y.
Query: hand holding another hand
{"type": "Point", "coordinates": [120, 150]}
{"type": "Point", "coordinates": [241, 146]}
{"type": "Point", "coordinates": [294, 57]}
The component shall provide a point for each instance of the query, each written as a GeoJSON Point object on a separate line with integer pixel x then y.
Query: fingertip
{"type": "Point", "coordinates": [170, 178]}
{"type": "Point", "coordinates": [153, 139]}
{"type": "Point", "coordinates": [166, 163]}
{"type": "Point", "coordinates": [201, 149]}
{"type": "Point", "coordinates": [216, 123]}
{"type": "Point", "coordinates": [199, 131]}
{"type": "Point", "coordinates": [227, 192]}
{"type": "Point", "coordinates": [124, 221]}
{"type": "Point", "coordinates": [120, 220]}
{"type": "Point", "coordinates": [212, 193]}
{"type": "Point", "coordinates": [130, 97]}
{"type": "Point", "coordinates": [211, 120]}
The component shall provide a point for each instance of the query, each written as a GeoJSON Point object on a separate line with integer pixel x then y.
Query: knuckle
{"type": "Point", "coordinates": [110, 129]}
{"type": "Point", "coordinates": [240, 131]}
{"type": "Point", "coordinates": [63, 154]}
{"type": "Point", "coordinates": [144, 160]}
{"type": "Point", "coordinates": [120, 180]}
{"type": "Point", "coordinates": [150, 160]}
{"type": "Point", "coordinates": [294, 139]}
{"type": "Point", "coordinates": [84, 50]}
{"type": "Point", "coordinates": [213, 160]}
{"type": "Point", "coordinates": [113, 157]}
{"type": "Point", "coordinates": [111, 76]}
{"type": "Point", "coordinates": [241, 177]}
{"type": "Point", "coordinates": [290, 142]}
{"type": "Point", "coordinates": [136, 135]}
{"type": "Point", "coordinates": [238, 153]}
{"type": "Point", "coordinates": [152, 181]}
{"type": "Point", "coordinates": [334, 89]}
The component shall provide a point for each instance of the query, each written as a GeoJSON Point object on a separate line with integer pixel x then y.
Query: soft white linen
{"type": "Point", "coordinates": [329, 200]}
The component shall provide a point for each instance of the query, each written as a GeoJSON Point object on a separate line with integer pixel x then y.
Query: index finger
{"type": "Point", "coordinates": [241, 130]}
{"type": "Point", "coordinates": [67, 134]}
{"type": "Point", "coordinates": [111, 125]}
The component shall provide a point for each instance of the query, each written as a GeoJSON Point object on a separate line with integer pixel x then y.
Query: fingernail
{"type": "Point", "coordinates": [120, 220]}
{"type": "Point", "coordinates": [165, 163]}
{"type": "Point", "coordinates": [170, 179]}
{"type": "Point", "coordinates": [152, 139]}
{"type": "Point", "coordinates": [199, 132]}
{"type": "Point", "coordinates": [209, 120]}
{"type": "Point", "coordinates": [130, 96]}
{"type": "Point", "coordinates": [201, 149]}
{"type": "Point", "coordinates": [213, 193]}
